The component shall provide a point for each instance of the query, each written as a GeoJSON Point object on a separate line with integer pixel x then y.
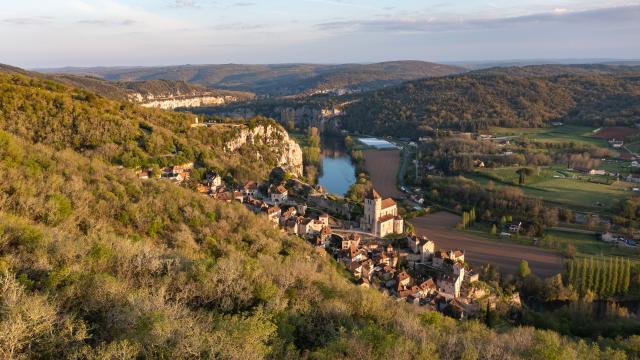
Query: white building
{"type": "Point", "coordinates": [381, 215]}
{"type": "Point", "coordinates": [279, 194]}
{"type": "Point", "coordinates": [421, 245]}
{"type": "Point", "coordinates": [449, 285]}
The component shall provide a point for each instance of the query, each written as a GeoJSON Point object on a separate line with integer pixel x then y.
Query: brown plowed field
{"type": "Point", "coordinates": [382, 166]}
{"type": "Point", "coordinates": [440, 227]}
{"type": "Point", "coordinates": [616, 132]}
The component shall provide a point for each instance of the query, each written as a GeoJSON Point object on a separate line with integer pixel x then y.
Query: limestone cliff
{"type": "Point", "coordinates": [172, 102]}
{"type": "Point", "coordinates": [284, 151]}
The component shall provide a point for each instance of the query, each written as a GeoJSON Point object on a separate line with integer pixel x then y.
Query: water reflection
{"type": "Point", "coordinates": [338, 173]}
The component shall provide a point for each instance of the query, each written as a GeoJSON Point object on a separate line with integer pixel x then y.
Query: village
{"type": "Point", "coordinates": [376, 249]}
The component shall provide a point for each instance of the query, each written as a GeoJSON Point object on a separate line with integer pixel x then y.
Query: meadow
{"type": "Point", "coordinates": [567, 133]}
{"type": "Point", "coordinates": [560, 187]}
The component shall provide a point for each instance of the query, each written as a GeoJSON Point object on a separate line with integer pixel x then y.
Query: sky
{"type": "Point", "coordinates": [46, 33]}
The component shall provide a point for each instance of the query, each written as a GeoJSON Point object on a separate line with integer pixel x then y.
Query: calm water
{"type": "Point", "coordinates": [338, 174]}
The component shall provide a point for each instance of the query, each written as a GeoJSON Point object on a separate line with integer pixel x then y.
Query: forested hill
{"type": "Point", "coordinates": [58, 115]}
{"type": "Point", "coordinates": [556, 70]}
{"type": "Point", "coordinates": [98, 264]}
{"type": "Point", "coordinates": [504, 97]}
{"type": "Point", "coordinates": [274, 80]}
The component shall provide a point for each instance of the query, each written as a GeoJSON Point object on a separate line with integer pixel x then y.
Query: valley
{"type": "Point", "coordinates": [440, 222]}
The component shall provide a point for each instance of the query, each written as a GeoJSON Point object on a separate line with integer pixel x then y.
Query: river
{"type": "Point", "coordinates": [337, 171]}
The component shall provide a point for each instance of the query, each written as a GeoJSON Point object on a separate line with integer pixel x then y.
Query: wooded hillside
{"type": "Point", "coordinates": [475, 101]}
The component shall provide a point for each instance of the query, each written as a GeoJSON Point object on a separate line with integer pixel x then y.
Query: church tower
{"type": "Point", "coordinates": [372, 209]}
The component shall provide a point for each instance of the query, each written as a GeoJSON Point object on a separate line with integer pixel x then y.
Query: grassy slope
{"type": "Point", "coordinates": [95, 263]}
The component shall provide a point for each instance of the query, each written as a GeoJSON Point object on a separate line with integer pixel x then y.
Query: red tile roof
{"type": "Point", "coordinates": [387, 203]}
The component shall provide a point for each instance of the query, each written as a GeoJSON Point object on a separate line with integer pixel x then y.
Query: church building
{"type": "Point", "coordinates": [381, 215]}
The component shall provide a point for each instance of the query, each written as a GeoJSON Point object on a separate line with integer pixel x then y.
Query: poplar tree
{"type": "Point", "coordinates": [570, 272]}
{"type": "Point", "coordinates": [604, 280]}
{"type": "Point", "coordinates": [596, 280]}
{"type": "Point", "coordinates": [592, 270]}
{"type": "Point", "coordinates": [583, 275]}
{"type": "Point", "coordinates": [627, 277]}
{"type": "Point", "coordinates": [615, 282]}
{"type": "Point", "coordinates": [613, 277]}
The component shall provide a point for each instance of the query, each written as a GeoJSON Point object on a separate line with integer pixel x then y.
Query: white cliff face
{"type": "Point", "coordinates": [287, 152]}
{"type": "Point", "coordinates": [170, 102]}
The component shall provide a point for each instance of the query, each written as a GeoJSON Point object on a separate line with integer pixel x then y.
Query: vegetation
{"type": "Point", "coordinates": [96, 263]}
{"type": "Point", "coordinates": [475, 101]}
{"type": "Point", "coordinates": [600, 276]}
{"type": "Point", "coordinates": [59, 116]}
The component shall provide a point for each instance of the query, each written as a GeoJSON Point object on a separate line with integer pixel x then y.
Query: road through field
{"type": "Point", "coordinates": [439, 227]}
{"type": "Point", "coordinates": [383, 166]}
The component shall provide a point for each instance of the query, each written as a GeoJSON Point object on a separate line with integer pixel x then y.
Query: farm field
{"type": "Point", "coordinates": [616, 132]}
{"type": "Point", "coordinates": [557, 239]}
{"type": "Point", "coordinates": [383, 166]}
{"type": "Point", "coordinates": [440, 227]}
{"type": "Point", "coordinates": [559, 187]}
{"type": "Point", "coordinates": [566, 133]}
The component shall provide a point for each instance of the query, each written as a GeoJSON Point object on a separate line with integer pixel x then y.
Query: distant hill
{"type": "Point", "coordinates": [530, 96]}
{"type": "Point", "coordinates": [278, 80]}
{"type": "Point", "coordinates": [556, 70]}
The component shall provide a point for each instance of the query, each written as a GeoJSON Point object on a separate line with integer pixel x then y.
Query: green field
{"type": "Point", "coordinates": [566, 133]}
{"type": "Point", "coordinates": [559, 187]}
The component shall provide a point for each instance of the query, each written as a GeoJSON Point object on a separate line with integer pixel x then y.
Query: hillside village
{"type": "Point", "coordinates": [377, 251]}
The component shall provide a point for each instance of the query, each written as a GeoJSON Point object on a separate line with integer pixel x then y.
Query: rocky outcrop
{"type": "Point", "coordinates": [286, 152]}
{"type": "Point", "coordinates": [187, 101]}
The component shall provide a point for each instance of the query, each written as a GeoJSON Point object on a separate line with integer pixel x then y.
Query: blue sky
{"type": "Point", "coordinates": [39, 33]}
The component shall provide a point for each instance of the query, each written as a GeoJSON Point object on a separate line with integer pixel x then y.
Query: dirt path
{"type": "Point", "coordinates": [439, 227]}
{"type": "Point", "coordinates": [383, 166]}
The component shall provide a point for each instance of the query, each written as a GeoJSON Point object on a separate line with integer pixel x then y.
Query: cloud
{"type": "Point", "coordinates": [184, 4]}
{"type": "Point", "coordinates": [613, 16]}
{"type": "Point", "coordinates": [107, 22]}
{"type": "Point", "coordinates": [26, 21]}
{"type": "Point", "coordinates": [243, 4]}
{"type": "Point", "coordinates": [239, 26]}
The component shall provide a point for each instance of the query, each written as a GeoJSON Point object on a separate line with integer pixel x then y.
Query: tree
{"type": "Point", "coordinates": [592, 271]}
{"type": "Point", "coordinates": [570, 251]}
{"type": "Point", "coordinates": [596, 279]}
{"type": "Point", "coordinates": [583, 275]}
{"type": "Point", "coordinates": [571, 272]}
{"type": "Point", "coordinates": [612, 278]}
{"type": "Point", "coordinates": [604, 279]}
{"type": "Point", "coordinates": [523, 269]}
{"type": "Point", "coordinates": [615, 276]}
{"type": "Point", "coordinates": [626, 276]}
{"type": "Point", "coordinates": [494, 230]}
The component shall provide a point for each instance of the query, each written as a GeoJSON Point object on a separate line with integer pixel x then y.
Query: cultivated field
{"type": "Point", "coordinates": [617, 132]}
{"type": "Point", "coordinates": [440, 227]}
{"type": "Point", "coordinates": [382, 166]}
{"type": "Point", "coordinates": [559, 186]}
{"type": "Point", "coordinates": [560, 134]}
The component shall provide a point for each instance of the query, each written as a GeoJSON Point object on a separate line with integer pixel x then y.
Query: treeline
{"type": "Point", "coordinates": [601, 276]}
{"type": "Point", "coordinates": [457, 155]}
{"type": "Point", "coordinates": [490, 202]}
{"type": "Point", "coordinates": [471, 102]}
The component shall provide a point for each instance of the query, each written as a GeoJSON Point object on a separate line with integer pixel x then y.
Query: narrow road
{"type": "Point", "coordinates": [439, 227]}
